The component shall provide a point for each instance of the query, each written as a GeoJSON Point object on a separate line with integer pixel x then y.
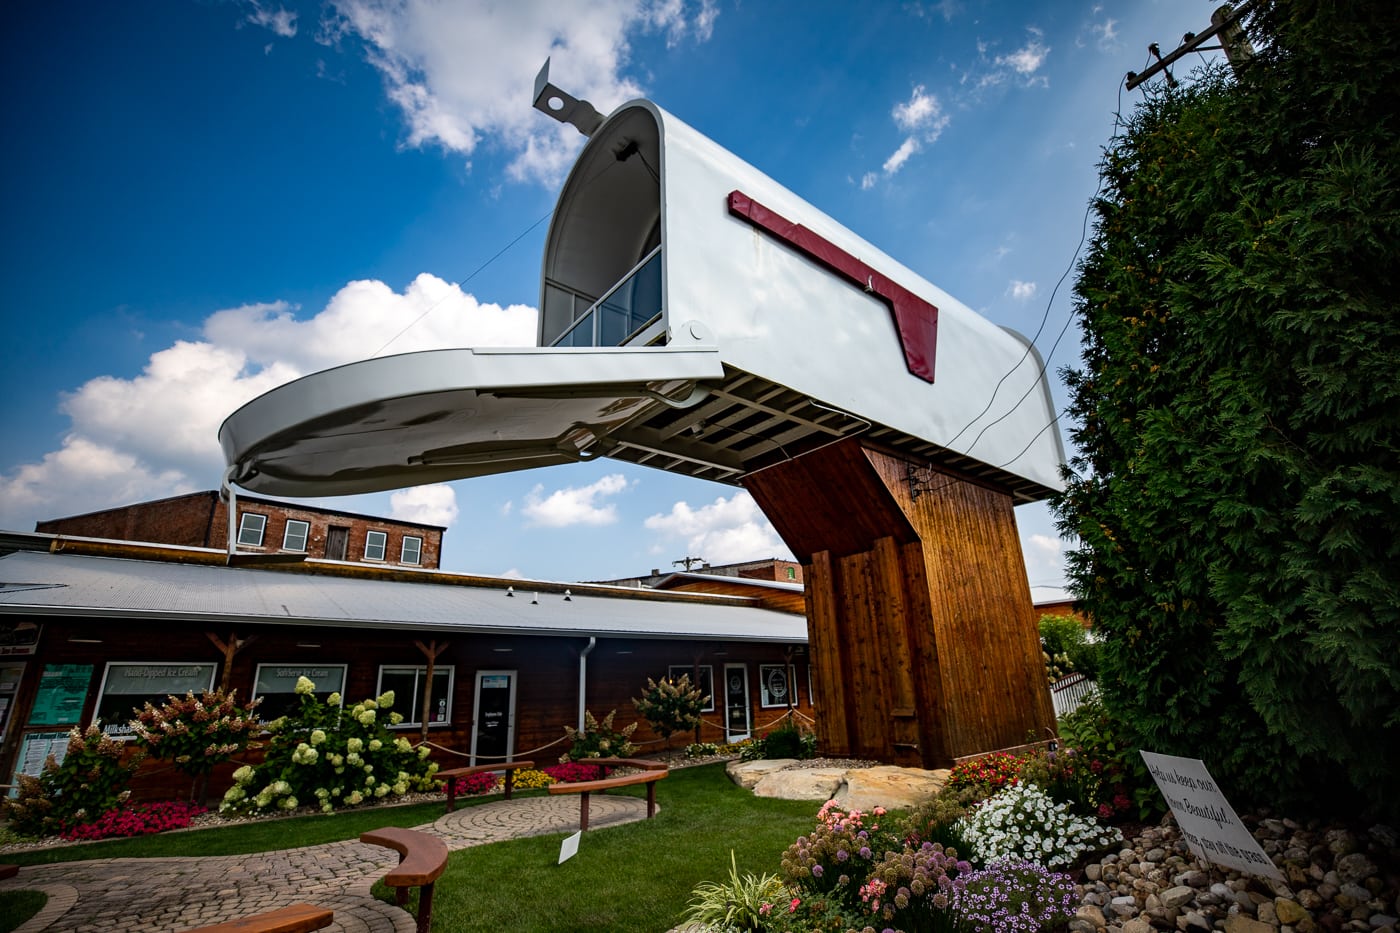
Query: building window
{"type": "Point", "coordinates": [375, 542]}
{"type": "Point", "coordinates": [702, 677]}
{"type": "Point", "coordinates": [277, 683]}
{"type": "Point", "coordinates": [294, 538]}
{"type": "Point", "coordinates": [407, 684]}
{"type": "Point", "coordinates": [412, 550]}
{"type": "Point", "coordinates": [250, 529]}
{"type": "Point", "coordinates": [792, 573]}
{"type": "Point", "coordinates": [778, 683]}
{"type": "Point", "coordinates": [128, 685]}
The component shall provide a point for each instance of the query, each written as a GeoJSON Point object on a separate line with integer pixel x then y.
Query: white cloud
{"type": "Point", "coordinates": [156, 433]}
{"type": "Point", "coordinates": [431, 505]}
{"type": "Point", "coordinates": [1021, 291]}
{"type": "Point", "coordinates": [725, 531]}
{"type": "Point", "coordinates": [463, 72]}
{"type": "Point", "coordinates": [922, 117]}
{"type": "Point", "coordinates": [574, 505]}
{"type": "Point", "coordinates": [280, 21]}
{"type": "Point", "coordinates": [1027, 59]}
{"type": "Point", "coordinates": [901, 155]}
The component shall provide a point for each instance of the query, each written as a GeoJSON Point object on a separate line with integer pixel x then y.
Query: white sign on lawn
{"type": "Point", "coordinates": [1207, 820]}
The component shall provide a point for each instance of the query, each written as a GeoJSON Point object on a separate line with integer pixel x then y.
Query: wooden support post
{"type": "Point", "coordinates": [229, 649]}
{"type": "Point", "coordinates": [431, 650]}
{"type": "Point", "coordinates": [923, 640]}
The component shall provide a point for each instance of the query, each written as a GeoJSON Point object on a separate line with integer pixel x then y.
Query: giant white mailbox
{"type": "Point", "coordinates": [698, 317]}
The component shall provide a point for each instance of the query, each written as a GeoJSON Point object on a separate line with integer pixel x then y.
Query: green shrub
{"type": "Point", "coordinates": [331, 757]}
{"type": "Point", "coordinates": [90, 781]}
{"type": "Point", "coordinates": [671, 705]}
{"type": "Point", "coordinates": [935, 820]}
{"type": "Point", "coordinates": [197, 734]}
{"type": "Point", "coordinates": [1068, 647]}
{"type": "Point", "coordinates": [1110, 751]}
{"type": "Point", "coordinates": [599, 739]}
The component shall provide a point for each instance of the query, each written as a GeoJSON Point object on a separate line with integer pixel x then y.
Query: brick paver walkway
{"type": "Point", "coordinates": [153, 895]}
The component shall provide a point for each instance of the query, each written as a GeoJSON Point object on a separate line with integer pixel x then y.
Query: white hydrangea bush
{"type": "Point", "coordinates": [1021, 821]}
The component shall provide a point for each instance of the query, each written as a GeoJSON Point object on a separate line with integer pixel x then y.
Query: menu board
{"type": "Point", "coordinates": [63, 689]}
{"type": "Point", "coordinates": [37, 747]}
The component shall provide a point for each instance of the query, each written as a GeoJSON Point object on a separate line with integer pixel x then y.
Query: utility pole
{"type": "Point", "coordinates": [688, 562]}
{"type": "Point", "coordinates": [1225, 23]}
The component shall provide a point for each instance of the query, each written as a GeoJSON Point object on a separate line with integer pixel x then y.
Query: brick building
{"type": "Point", "coordinates": [265, 526]}
{"type": "Point", "coordinates": [771, 569]}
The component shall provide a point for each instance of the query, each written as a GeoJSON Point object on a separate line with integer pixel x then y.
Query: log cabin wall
{"type": "Point", "coordinates": [546, 670]}
{"type": "Point", "coordinates": [921, 629]}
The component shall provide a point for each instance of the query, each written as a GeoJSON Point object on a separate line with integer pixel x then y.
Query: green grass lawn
{"type": "Point", "coordinates": [18, 906]}
{"type": "Point", "coordinates": [633, 877]}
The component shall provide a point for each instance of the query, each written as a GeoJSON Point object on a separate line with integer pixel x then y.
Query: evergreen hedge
{"type": "Point", "coordinates": [1236, 486]}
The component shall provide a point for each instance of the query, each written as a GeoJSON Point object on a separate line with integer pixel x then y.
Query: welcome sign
{"type": "Point", "coordinates": [1208, 822]}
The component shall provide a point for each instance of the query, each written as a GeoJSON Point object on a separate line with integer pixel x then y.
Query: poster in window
{"type": "Point", "coordinates": [19, 638]}
{"type": "Point", "coordinates": [63, 689]}
{"type": "Point", "coordinates": [276, 685]}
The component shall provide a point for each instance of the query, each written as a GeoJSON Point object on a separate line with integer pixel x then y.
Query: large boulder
{"type": "Point", "coordinates": [801, 784]}
{"type": "Point", "coordinates": [748, 773]}
{"type": "Point", "coordinates": [890, 787]}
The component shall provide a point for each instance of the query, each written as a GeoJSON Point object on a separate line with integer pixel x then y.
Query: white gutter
{"type": "Point", "coordinates": [583, 678]}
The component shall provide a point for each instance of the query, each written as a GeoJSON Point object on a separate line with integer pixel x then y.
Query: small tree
{"type": "Point", "coordinates": [196, 734]}
{"type": "Point", "coordinates": [671, 705]}
{"type": "Point", "coordinates": [598, 739]}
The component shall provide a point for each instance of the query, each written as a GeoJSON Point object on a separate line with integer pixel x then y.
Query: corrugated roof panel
{"type": "Point", "coordinates": [80, 585]}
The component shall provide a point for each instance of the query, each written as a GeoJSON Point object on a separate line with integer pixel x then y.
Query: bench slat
{"type": "Point", "coordinates": [451, 776]}
{"type": "Point", "coordinates": [296, 918]}
{"type": "Point", "coordinates": [422, 859]}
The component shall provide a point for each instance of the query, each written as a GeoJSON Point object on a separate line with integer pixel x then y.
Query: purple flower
{"type": "Point", "coordinates": [864, 852]}
{"type": "Point", "coordinates": [842, 855]}
{"type": "Point", "coordinates": [817, 871]}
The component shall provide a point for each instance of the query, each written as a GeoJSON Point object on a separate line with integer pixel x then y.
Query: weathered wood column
{"type": "Point", "coordinates": [924, 645]}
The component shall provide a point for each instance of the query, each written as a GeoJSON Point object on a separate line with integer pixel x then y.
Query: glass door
{"type": "Point", "coordinates": [493, 717]}
{"type": "Point", "coordinates": [736, 702]}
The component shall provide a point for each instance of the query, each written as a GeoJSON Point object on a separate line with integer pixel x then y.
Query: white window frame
{"type": "Point", "coordinates": [383, 544]}
{"type": "Point", "coordinates": [287, 535]}
{"type": "Point", "coordinates": [120, 730]}
{"type": "Point", "coordinates": [675, 671]}
{"type": "Point", "coordinates": [244, 526]}
{"type": "Point", "coordinates": [299, 670]}
{"type": "Point", "coordinates": [418, 671]}
{"type": "Point", "coordinates": [764, 700]}
{"type": "Point", "coordinates": [418, 550]}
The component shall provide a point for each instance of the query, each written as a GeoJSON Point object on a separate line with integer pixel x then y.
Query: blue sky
{"type": "Point", "coordinates": [206, 199]}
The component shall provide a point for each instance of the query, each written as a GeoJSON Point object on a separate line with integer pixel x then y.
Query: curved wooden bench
{"type": "Point", "coordinates": [422, 860]}
{"type": "Point", "coordinates": [453, 775]}
{"type": "Point", "coordinates": [297, 918]}
{"type": "Point", "coordinates": [652, 772]}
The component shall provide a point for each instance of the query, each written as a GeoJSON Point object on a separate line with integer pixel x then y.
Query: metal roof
{"type": "Point", "coordinates": [71, 585]}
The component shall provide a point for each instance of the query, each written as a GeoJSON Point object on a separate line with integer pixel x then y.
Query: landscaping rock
{"type": "Point", "coordinates": [889, 787]}
{"type": "Point", "coordinates": [801, 784]}
{"type": "Point", "coordinates": [748, 773]}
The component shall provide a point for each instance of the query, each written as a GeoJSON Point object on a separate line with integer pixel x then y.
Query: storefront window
{"type": "Point", "coordinates": [778, 683]}
{"type": "Point", "coordinates": [407, 684]}
{"type": "Point", "coordinates": [276, 685]}
{"type": "Point", "coordinates": [705, 681]}
{"type": "Point", "coordinates": [128, 685]}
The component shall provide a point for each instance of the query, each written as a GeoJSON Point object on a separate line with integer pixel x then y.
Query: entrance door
{"type": "Point", "coordinates": [493, 717]}
{"type": "Point", "coordinates": [336, 539]}
{"type": "Point", "coordinates": [736, 702]}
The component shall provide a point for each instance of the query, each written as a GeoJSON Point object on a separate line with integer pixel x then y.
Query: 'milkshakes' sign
{"type": "Point", "coordinates": [1207, 820]}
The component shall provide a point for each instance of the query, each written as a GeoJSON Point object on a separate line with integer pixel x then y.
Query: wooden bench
{"type": "Point", "coordinates": [453, 775]}
{"type": "Point", "coordinates": [8, 871]}
{"type": "Point", "coordinates": [422, 859]}
{"type": "Point", "coordinates": [652, 771]}
{"type": "Point", "coordinates": [298, 918]}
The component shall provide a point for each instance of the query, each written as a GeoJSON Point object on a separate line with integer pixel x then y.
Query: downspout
{"type": "Point", "coordinates": [232, 497]}
{"type": "Point", "coordinates": [583, 678]}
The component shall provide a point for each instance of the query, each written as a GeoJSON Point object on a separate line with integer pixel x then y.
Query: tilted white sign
{"type": "Point", "coordinates": [1207, 820]}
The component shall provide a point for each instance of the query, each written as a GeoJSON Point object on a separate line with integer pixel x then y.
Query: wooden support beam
{"type": "Point", "coordinates": [431, 651]}
{"type": "Point", "coordinates": [229, 649]}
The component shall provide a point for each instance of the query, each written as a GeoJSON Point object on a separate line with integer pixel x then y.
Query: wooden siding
{"type": "Point", "coordinates": [923, 639]}
{"type": "Point", "coordinates": [546, 685]}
